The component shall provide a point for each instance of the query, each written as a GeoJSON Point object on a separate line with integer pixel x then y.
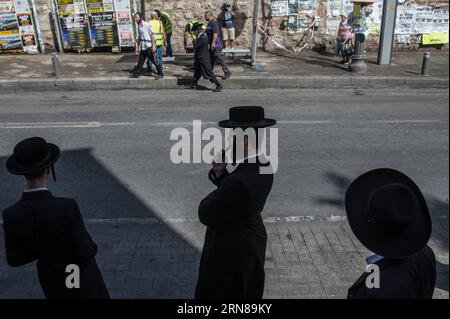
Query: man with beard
{"type": "Point", "coordinates": [233, 256]}
{"type": "Point", "coordinates": [202, 59]}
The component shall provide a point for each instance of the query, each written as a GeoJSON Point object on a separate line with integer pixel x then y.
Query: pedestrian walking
{"type": "Point", "coordinates": [189, 32]}
{"type": "Point", "coordinates": [168, 29]}
{"type": "Point", "coordinates": [215, 44]}
{"type": "Point", "coordinates": [233, 256]}
{"type": "Point", "coordinates": [202, 59]}
{"type": "Point", "coordinates": [145, 47]}
{"type": "Point", "coordinates": [160, 40]}
{"type": "Point", "coordinates": [389, 216]}
{"type": "Point", "coordinates": [226, 17]}
{"type": "Point", "coordinates": [47, 229]}
{"type": "Point", "coordinates": [344, 39]}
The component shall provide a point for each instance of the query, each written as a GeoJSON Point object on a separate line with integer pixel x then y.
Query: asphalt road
{"type": "Point", "coordinates": [116, 146]}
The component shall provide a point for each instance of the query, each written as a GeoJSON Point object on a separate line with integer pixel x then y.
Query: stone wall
{"type": "Point", "coordinates": [184, 10]}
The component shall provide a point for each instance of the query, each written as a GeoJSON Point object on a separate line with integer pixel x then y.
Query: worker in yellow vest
{"type": "Point", "coordinates": [167, 23]}
{"type": "Point", "coordinates": [160, 39]}
{"type": "Point", "coordinates": [190, 33]}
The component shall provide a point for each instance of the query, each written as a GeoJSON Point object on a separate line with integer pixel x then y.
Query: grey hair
{"type": "Point", "coordinates": [154, 14]}
{"type": "Point", "coordinates": [209, 12]}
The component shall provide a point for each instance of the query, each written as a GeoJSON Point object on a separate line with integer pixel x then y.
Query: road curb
{"type": "Point", "coordinates": [236, 82]}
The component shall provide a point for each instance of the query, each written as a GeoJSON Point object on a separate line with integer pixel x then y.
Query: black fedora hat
{"type": "Point", "coordinates": [32, 155]}
{"type": "Point", "coordinates": [388, 213]}
{"type": "Point", "coordinates": [247, 116]}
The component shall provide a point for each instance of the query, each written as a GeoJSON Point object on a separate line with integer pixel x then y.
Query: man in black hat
{"type": "Point", "coordinates": [48, 229]}
{"type": "Point", "coordinates": [233, 256]}
{"type": "Point", "coordinates": [389, 216]}
{"type": "Point", "coordinates": [202, 58]}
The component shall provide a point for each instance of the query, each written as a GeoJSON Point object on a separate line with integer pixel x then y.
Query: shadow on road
{"type": "Point", "coordinates": [139, 254]}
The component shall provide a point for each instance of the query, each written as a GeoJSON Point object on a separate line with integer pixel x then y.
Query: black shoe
{"type": "Point", "coordinates": [218, 88]}
{"type": "Point", "coordinates": [193, 86]}
{"type": "Point", "coordinates": [134, 76]}
{"type": "Point", "coordinates": [159, 77]}
{"type": "Point", "coordinates": [226, 76]}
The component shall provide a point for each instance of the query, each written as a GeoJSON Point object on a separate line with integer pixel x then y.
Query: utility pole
{"type": "Point", "coordinates": [387, 31]}
{"type": "Point", "coordinates": [255, 33]}
{"type": "Point", "coordinates": [143, 9]}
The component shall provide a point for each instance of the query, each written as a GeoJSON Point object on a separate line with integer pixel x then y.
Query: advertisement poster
{"type": "Point", "coordinates": [303, 23]}
{"type": "Point", "coordinates": [65, 7]}
{"type": "Point", "coordinates": [94, 6]}
{"type": "Point", "coordinates": [8, 21]}
{"type": "Point", "coordinates": [22, 6]}
{"type": "Point", "coordinates": [6, 6]}
{"type": "Point", "coordinates": [74, 31]}
{"type": "Point", "coordinates": [27, 32]}
{"type": "Point", "coordinates": [10, 39]}
{"type": "Point", "coordinates": [103, 29]}
{"type": "Point", "coordinates": [293, 7]}
{"type": "Point", "coordinates": [306, 5]}
{"type": "Point", "coordinates": [279, 8]}
{"type": "Point", "coordinates": [124, 23]}
{"type": "Point", "coordinates": [435, 38]}
{"type": "Point", "coordinates": [293, 23]}
{"type": "Point", "coordinates": [125, 29]}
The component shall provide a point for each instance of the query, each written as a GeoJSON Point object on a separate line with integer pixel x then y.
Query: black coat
{"type": "Point", "coordinates": [409, 278]}
{"type": "Point", "coordinates": [51, 231]}
{"type": "Point", "coordinates": [232, 262]}
{"type": "Point", "coordinates": [202, 57]}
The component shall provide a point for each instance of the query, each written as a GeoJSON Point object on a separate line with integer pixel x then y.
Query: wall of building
{"type": "Point", "coordinates": [182, 11]}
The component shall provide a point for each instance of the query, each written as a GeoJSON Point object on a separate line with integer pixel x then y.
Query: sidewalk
{"type": "Point", "coordinates": [146, 258]}
{"type": "Point", "coordinates": [306, 70]}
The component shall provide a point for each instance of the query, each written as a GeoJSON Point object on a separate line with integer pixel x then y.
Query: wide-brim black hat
{"type": "Point", "coordinates": [197, 25]}
{"type": "Point", "coordinates": [377, 236]}
{"type": "Point", "coordinates": [32, 155]}
{"type": "Point", "coordinates": [247, 116]}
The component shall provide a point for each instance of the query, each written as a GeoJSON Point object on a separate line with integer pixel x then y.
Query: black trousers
{"type": "Point", "coordinates": [218, 58]}
{"type": "Point", "coordinates": [143, 56]}
{"type": "Point", "coordinates": [202, 70]}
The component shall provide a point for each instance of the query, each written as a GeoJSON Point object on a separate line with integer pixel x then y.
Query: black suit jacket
{"type": "Point", "coordinates": [232, 262]}
{"type": "Point", "coordinates": [409, 278]}
{"type": "Point", "coordinates": [51, 231]}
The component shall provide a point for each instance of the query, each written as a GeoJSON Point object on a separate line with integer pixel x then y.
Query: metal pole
{"type": "Point", "coordinates": [255, 33]}
{"type": "Point", "coordinates": [358, 64]}
{"type": "Point", "coordinates": [387, 31]}
{"type": "Point", "coordinates": [56, 25]}
{"type": "Point", "coordinates": [56, 65]}
{"type": "Point", "coordinates": [426, 59]}
{"type": "Point", "coordinates": [143, 9]}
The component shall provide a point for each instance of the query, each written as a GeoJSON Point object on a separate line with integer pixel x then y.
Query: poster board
{"type": "Point", "coordinates": [17, 27]}
{"type": "Point", "coordinates": [279, 8]}
{"type": "Point", "coordinates": [88, 24]}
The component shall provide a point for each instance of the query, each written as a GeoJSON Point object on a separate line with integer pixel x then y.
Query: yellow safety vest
{"type": "Point", "coordinates": [157, 29]}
